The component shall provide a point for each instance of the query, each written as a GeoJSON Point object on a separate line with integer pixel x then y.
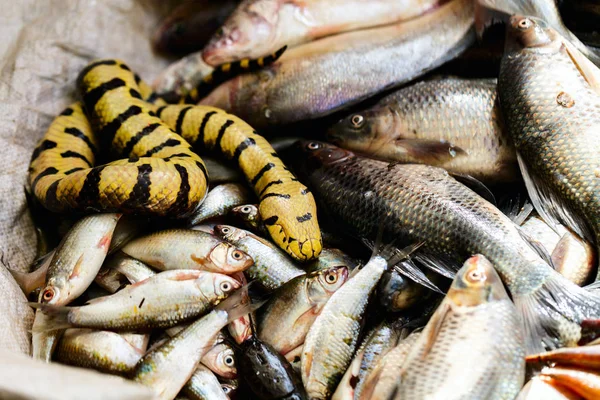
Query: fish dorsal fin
{"type": "Point", "coordinates": [439, 263]}
{"type": "Point", "coordinates": [410, 270]}
{"type": "Point", "coordinates": [477, 186]}
{"type": "Point", "coordinates": [551, 208]}
{"type": "Point", "coordinates": [589, 71]}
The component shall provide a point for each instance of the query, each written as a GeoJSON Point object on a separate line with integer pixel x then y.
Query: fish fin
{"type": "Point", "coordinates": [57, 317]}
{"type": "Point", "coordinates": [433, 327]}
{"type": "Point", "coordinates": [443, 265]}
{"type": "Point", "coordinates": [78, 267]}
{"type": "Point", "coordinates": [234, 304]}
{"type": "Point", "coordinates": [589, 71]}
{"type": "Point", "coordinates": [486, 16]}
{"type": "Point", "coordinates": [430, 151]}
{"type": "Point", "coordinates": [556, 305]}
{"type": "Point", "coordinates": [410, 270]}
{"type": "Point", "coordinates": [512, 208]}
{"type": "Point", "coordinates": [477, 186]}
{"type": "Point", "coordinates": [593, 286]}
{"type": "Point", "coordinates": [537, 247]}
{"type": "Point", "coordinates": [551, 208]}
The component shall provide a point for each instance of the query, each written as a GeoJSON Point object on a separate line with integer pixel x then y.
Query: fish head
{"type": "Point", "coordinates": [247, 212]}
{"type": "Point", "coordinates": [221, 360]}
{"type": "Point", "coordinates": [55, 292]}
{"type": "Point", "coordinates": [314, 155]}
{"type": "Point", "coordinates": [229, 233]}
{"type": "Point", "coordinates": [228, 258]}
{"type": "Point", "coordinates": [476, 283]}
{"type": "Point", "coordinates": [223, 285]}
{"type": "Point", "coordinates": [322, 284]}
{"type": "Point", "coordinates": [358, 131]}
{"type": "Point", "coordinates": [525, 33]}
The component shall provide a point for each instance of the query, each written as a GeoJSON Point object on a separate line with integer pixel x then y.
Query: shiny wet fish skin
{"type": "Point", "coordinates": [219, 201]}
{"type": "Point", "coordinates": [424, 203]}
{"type": "Point", "coordinates": [451, 123]}
{"type": "Point", "coordinates": [473, 346]}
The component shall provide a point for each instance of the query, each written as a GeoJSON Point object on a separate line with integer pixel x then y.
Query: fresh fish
{"type": "Point", "coordinates": [220, 200]}
{"type": "Point", "coordinates": [30, 281]}
{"type": "Point", "coordinates": [241, 329]}
{"type": "Point", "coordinates": [319, 78]}
{"type": "Point", "coordinates": [267, 373]}
{"type": "Point", "coordinates": [421, 203]}
{"type": "Point", "coordinates": [204, 385]}
{"type": "Point", "coordinates": [398, 293]}
{"type": "Point", "coordinates": [249, 216]}
{"type": "Point", "coordinates": [330, 258]}
{"type": "Point", "coordinates": [127, 228]}
{"type": "Point", "coordinates": [179, 79]}
{"type": "Point", "coordinates": [377, 344]}
{"type": "Point", "coordinates": [43, 341]}
{"type": "Point", "coordinates": [169, 366]}
{"type": "Point", "coordinates": [572, 256]}
{"type": "Point", "coordinates": [219, 172]}
{"type": "Point", "coordinates": [259, 27]}
{"type": "Point", "coordinates": [381, 382]}
{"type": "Point", "coordinates": [490, 11]}
{"type": "Point", "coordinates": [78, 258]}
{"type": "Point", "coordinates": [585, 383]}
{"type": "Point", "coordinates": [546, 79]}
{"type": "Point", "coordinates": [473, 346]}
{"type": "Point", "coordinates": [450, 123]}
{"type": "Point", "coordinates": [104, 351]}
{"type": "Point", "coordinates": [581, 356]}
{"type": "Point", "coordinates": [220, 360]}
{"type": "Point", "coordinates": [332, 338]}
{"type": "Point", "coordinates": [110, 279]}
{"type": "Point", "coordinates": [190, 25]}
{"type": "Point", "coordinates": [285, 319]}
{"type": "Point", "coordinates": [187, 249]}
{"type": "Point", "coordinates": [272, 267]}
{"type": "Point", "coordinates": [345, 390]}
{"type": "Point", "coordinates": [541, 387]}
{"type": "Point", "coordinates": [134, 270]}
{"type": "Point", "coordinates": [160, 301]}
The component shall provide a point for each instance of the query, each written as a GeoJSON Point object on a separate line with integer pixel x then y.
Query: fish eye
{"type": "Point", "coordinates": [313, 146]}
{"type": "Point", "coordinates": [225, 286]}
{"type": "Point", "coordinates": [237, 255]}
{"type": "Point", "coordinates": [48, 294]}
{"type": "Point", "coordinates": [225, 230]}
{"type": "Point", "coordinates": [246, 209]}
{"type": "Point", "coordinates": [227, 389]}
{"type": "Point", "coordinates": [357, 120]}
{"type": "Point", "coordinates": [476, 275]}
{"type": "Point", "coordinates": [331, 278]}
{"type": "Point", "coordinates": [229, 361]}
{"type": "Point", "coordinates": [524, 24]}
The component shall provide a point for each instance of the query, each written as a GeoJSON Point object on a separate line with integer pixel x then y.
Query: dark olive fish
{"type": "Point", "coordinates": [550, 96]}
{"type": "Point", "coordinates": [267, 373]}
{"type": "Point", "coordinates": [450, 123]}
{"type": "Point", "coordinates": [190, 25]}
{"type": "Point", "coordinates": [419, 203]}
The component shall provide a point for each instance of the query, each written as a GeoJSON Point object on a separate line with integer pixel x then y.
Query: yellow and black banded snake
{"type": "Point", "coordinates": [156, 170]}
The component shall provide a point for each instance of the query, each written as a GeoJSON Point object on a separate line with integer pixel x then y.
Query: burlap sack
{"type": "Point", "coordinates": [45, 43]}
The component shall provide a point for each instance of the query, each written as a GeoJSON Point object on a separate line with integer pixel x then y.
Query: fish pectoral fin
{"type": "Point", "coordinates": [537, 247]}
{"type": "Point", "coordinates": [476, 185]}
{"type": "Point", "coordinates": [589, 71]}
{"type": "Point", "coordinates": [434, 326]}
{"type": "Point", "coordinates": [552, 208]}
{"type": "Point", "coordinates": [410, 270]}
{"type": "Point", "coordinates": [430, 151]}
{"type": "Point", "coordinates": [439, 263]}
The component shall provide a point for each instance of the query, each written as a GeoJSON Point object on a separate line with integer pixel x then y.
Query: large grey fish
{"type": "Point", "coordinates": [450, 123]}
{"type": "Point", "coordinates": [550, 96]}
{"type": "Point", "coordinates": [472, 347]}
{"type": "Point", "coordinates": [419, 203]}
{"type": "Point", "coordinates": [260, 27]}
{"type": "Point", "coordinates": [285, 319]}
{"type": "Point", "coordinates": [321, 77]}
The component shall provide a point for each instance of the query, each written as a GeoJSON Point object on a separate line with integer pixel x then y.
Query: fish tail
{"type": "Point", "coordinates": [236, 306]}
{"type": "Point", "coordinates": [551, 314]}
{"type": "Point", "coordinates": [57, 317]}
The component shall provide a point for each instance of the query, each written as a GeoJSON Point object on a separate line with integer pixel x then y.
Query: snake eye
{"type": "Point", "coordinates": [48, 294]}
{"type": "Point", "coordinates": [226, 286]}
{"type": "Point", "coordinates": [237, 255]}
{"type": "Point", "coordinates": [313, 146]}
{"type": "Point", "coordinates": [525, 24]}
{"type": "Point", "coordinates": [357, 120]}
{"type": "Point", "coordinates": [229, 361]}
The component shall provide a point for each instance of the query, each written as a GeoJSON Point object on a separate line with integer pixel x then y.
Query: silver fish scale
{"type": "Point", "coordinates": [422, 203]}
{"type": "Point", "coordinates": [554, 119]}
{"type": "Point", "coordinates": [477, 354]}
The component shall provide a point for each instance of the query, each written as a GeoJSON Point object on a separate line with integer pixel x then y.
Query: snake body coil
{"type": "Point", "coordinates": [162, 175]}
{"type": "Point", "coordinates": [286, 206]}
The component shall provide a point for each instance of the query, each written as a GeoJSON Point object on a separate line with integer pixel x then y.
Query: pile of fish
{"type": "Point", "coordinates": [453, 151]}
